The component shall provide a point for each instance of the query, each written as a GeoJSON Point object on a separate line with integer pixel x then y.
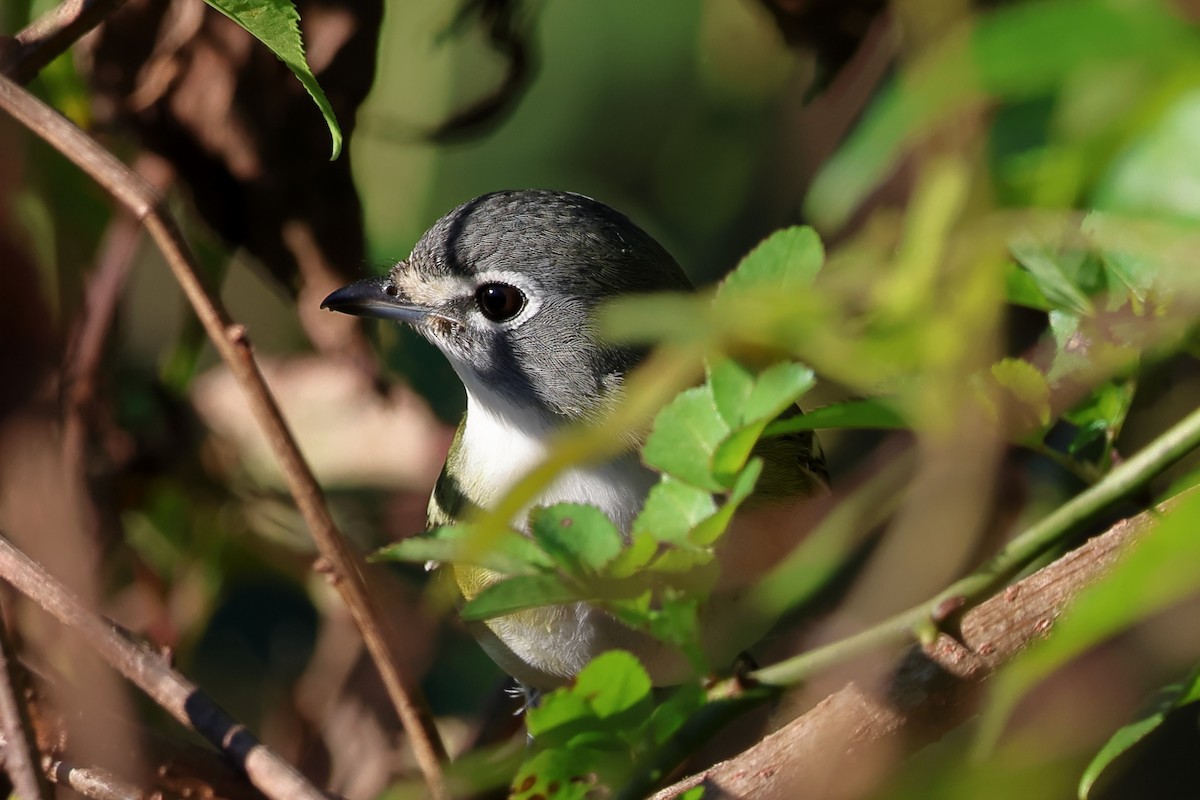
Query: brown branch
{"type": "Point", "coordinates": [49, 36]}
{"type": "Point", "coordinates": [20, 750]}
{"type": "Point", "coordinates": [147, 670]}
{"type": "Point", "coordinates": [233, 345]}
{"type": "Point", "coordinates": [96, 784]}
{"type": "Point", "coordinates": [922, 700]}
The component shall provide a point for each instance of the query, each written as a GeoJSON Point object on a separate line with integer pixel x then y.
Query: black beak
{"type": "Point", "coordinates": [375, 297]}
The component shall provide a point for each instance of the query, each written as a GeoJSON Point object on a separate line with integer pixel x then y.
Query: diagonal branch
{"type": "Point", "coordinates": [233, 345]}
{"type": "Point", "coordinates": [20, 749]}
{"type": "Point", "coordinates": [182, 699]}
{"type": "Point", "coordinates": [49, 36]}
{"type": "Point", "coordinates": [927, 696]}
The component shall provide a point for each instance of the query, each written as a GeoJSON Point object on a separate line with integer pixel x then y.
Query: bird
{"type": "Point", "coordinates": [506, 286]}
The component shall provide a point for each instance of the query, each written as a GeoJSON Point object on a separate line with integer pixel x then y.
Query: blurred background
{"type": "Point", "coordinates": [130, 467]}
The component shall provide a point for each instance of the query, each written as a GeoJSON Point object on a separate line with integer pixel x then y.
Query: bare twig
{"type": "Point", "coordinates": [20, 750]}
{"type": "Point", "coordinates": [96, 784]}
{"type": "Point", "coordinates": [927, 696]}
{"type": "Point", "coordinates": [182, 699]}
{"type": "Point", "coordinates": [233, 345]}
{"type": "Point", "coordinates": [51, 34]}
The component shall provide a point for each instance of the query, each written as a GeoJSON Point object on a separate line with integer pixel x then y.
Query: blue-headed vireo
{"type": "Point", "coordinates": [506, 286]}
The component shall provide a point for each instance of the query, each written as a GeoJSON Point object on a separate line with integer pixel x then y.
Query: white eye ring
{"type": "Point", "coordinates": [516, 298]}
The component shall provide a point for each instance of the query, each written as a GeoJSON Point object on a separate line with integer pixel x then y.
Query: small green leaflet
{"type": "Point", "coordinates": [276, 24]}
{"type": "Point", "coordinates": [578, 537]}
{"type": "Point", "coordinates": [787, 260]}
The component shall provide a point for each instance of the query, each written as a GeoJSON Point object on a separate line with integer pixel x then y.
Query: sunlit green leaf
{"type": "Point", "coordinates": [672, 509]}
{"type": "Point", "coordinates": [685, 434]}
{"type": "Point", "coordinates": [1027, 391]}
{"type": "Point", "coordinates": [579, 537]}
{"type": "Point", "coordinates": [276, 24]}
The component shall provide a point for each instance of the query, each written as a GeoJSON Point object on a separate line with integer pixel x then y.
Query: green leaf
{"type": "Point", "coordinates": [787, 261]}
{"type": "Point", "coordinates": [1054, 276]}
{"type": "Point", "coordinates": [1158, 174]}
{"type": "Point", "coordinates": [672, 509]}
{"type": "Point", "coordinates": [613, 683]}
{"type": "Point", "coordinates": [1159, 570]}
{"type": "Point", "coordinates": [276, 24]}
{"type": "Point", "coordinates": [685, 434]}
{"type": "Point", "coordinates": [707, 532]}
{"type": "Point", "coordinates": [1027, 389]}
{"type": "Point", "coordinates": [579, 537]}
{"type": "Point", "coordinates": [1021, 289]}
{"type": "Point", "coordinates": [509, 553]}
{"type": "Point", "coordinates": [1171, 698]}
{"type": "Point", "coordinates": [519, 593]}
{"type": "Point", "coordinates": [975, 65]}
{"type": "Point", "coordinates": [868, 414]}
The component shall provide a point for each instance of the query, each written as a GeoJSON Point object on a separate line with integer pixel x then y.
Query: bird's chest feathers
{"type": "Point", "coordinates": [499, 446]}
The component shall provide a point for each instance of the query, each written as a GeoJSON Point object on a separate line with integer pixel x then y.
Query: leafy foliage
{"type": "Point", "coordinates": [276, 24]}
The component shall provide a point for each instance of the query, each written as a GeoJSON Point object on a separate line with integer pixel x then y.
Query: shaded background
{"type": "Point", "coordinates": [703, 121]}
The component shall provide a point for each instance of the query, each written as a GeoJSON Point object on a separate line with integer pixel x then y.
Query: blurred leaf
{"type": "Point", "coordinates": [1159, 570]}
{"type": "Point", "coordinates": [519, 593]}
{"type": "Point", "coordinates": [1160, 172]}
{"type": "Point", "coordinates": [1100, 417]}
{"type": "Point", "coordinates": [579, 537]}
{"type": "Point", "coordinates": [786, 261]}
{"type": "Point", "coordinates": [509, 553]}
{"type": "Point", "coordinates": [1027, 386]}
{"type": "Point", "coordinates": [276, 24]}
{"type": "Point", "coordinates": [976, 65]}
{"type": "Point", "coordinates": [1169, 699]}
{"type": "Point", "coordinates": [1021, 289]}
{"type": "Point", "coordinates": [1054, 276]}
{"type": "Point", "coordinates": [870, 414]}
{"type": "Point", "coordinates": [685, 434]}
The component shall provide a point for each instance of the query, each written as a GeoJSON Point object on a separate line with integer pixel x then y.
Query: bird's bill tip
{"type": "Point", "coordinates": [374, 297]}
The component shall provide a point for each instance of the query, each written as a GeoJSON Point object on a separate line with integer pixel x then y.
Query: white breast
{"type": "Point", "coordinates": [500, 445]}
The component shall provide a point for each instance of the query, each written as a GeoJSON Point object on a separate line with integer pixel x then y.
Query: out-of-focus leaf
{"type": "Point", "coordinates": [1100, 417]}
{"type": "Point", "coordinates": [1159, 173]}
{"type": "Point", "coordinates": [509, 553]}
{"type": "Point", "coordinates": [1169, 699]}
{"type": "Point", "coordinates": [1159, 570]}
{"type": "Point", "coordinates": [276, 24]}
{"type": "Point", "coordinates": [517, 593]}
{"type": "Point", "coordinates": [1021, 289]}
{"type": "Point", "coordinates": [786, 261]}
{"type": "Point", "coordinates": [977, 65]}
{"type": "Point", "coordinates": [579, 537]}
{"type": "Point", "coordinates": [1027, 386]}
{"type": "Point", "coordinates": [869, 414]}
{"type": "Point", "coordinates": [1054, 278]}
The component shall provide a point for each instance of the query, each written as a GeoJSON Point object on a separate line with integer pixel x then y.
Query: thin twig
{"type": "Point", "coordinates": [21, 755]}
{"type": "Point", "coordinates": [49, 36]}
{"type": "Point", "coordinates": [1123, 480]}
{"type": "Point", "coordinates": [926, 696]}
{"type": "Point", "coordinates": [274, 776]}
{"type": "Point", "coordinates": [233, 345]}
{"type": "Point", "coordinates": [95, 784]}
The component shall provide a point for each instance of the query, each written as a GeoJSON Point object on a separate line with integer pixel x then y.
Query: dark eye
{"type": "Point", "coordinates": [499, 301]}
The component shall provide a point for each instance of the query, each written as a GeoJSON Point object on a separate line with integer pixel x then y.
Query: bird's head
{"type": "Point", "coordinates": [506, 286]}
